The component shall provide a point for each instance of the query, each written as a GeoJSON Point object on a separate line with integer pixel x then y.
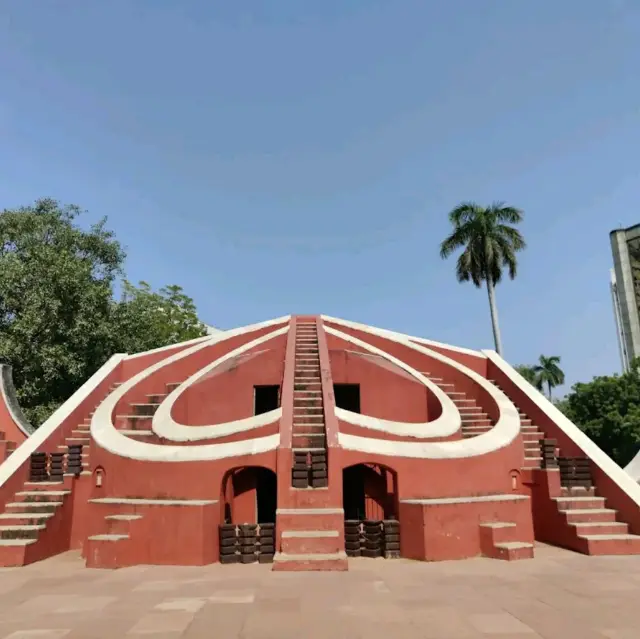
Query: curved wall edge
{"type": "Point", "coordinates": [12, 404]}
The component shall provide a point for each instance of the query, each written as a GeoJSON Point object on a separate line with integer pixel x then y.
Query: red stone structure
{"type": "Point", "coordinates": [303, 441]}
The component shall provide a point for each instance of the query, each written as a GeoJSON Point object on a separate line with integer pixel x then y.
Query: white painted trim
{"type": "Point", "coordinates": [165, 426]}
{"type": "Point", "coordinates": [162, 349]}
{"type": "Point", "coordinates": [472, 499]}
{"type": "Point", "coordinates": [10, 399]}
{"type": "Point", "coordinates": [503, 433]}
{"type": "Point", "coordinates": [395, 334]}
{"type": "Point", "coordinates": [40, 436]}
{"type": "Point", "coordinates": [105, 434]}
{"type": "Point", "coordinates": [446, 424]}
{"type": "Point", "coordinates": [621, 478]}
{"type": "Point", "coordinates": [633, 468]}
{"type": "Point", "coordinates": [132, 501]}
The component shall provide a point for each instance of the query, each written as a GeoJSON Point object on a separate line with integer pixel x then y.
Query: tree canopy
{"type": "Point", "coordinates": [490, 242]}
{"type": "Point", "coordinates": [529, 373]}
{"type": "Point", "coordinates": [59, 321]}
{"type": "Point", "coordinates": [146, 319]}
{"type": "Point", "coordinates": [607, 409]}
{"type": "Point", "coordinates": [548, 372]}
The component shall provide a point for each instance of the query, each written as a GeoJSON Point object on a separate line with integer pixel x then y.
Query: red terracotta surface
{"type": "Point", "coordinates": [153, 529]}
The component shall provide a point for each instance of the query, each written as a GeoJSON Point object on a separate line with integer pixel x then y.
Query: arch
{"type": "Point", "coordinates": [447, 423]}
{"type": "Point", "coordinates": [505, 430]}
{"type": "Point", "coordinates": [516, 479]}
{"type": "Point", "coordinates": [369, 491]}
{"type": "Point", "coordinates": [106, 435]}
{"type": "Point", "coordinates": [165, 426]}
{"type": "Point", "coordinates": [249, 495]}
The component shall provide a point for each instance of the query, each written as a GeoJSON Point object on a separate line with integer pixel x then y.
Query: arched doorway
{"type": "Point", "coordinates": [369, 491]}
{"type": "Point", "coordinates": [250, 496]}
{"type": "Point", "coordinates": [370, 502]}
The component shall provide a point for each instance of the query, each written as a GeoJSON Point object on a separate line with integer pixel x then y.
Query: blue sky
{"type": "Point", "coordinates": [295, 156]}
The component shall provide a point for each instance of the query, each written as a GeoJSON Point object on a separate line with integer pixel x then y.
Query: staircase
{"type": "Point", "coordinates": [310, 533]}
{"type": "Point", "coordinates": [474, 420]}
{"type": "Point", "coordinates": [34, 525]}
{"type": "Point", "coordinates": [499, 540]}
{"type": "Point", "coordinates": [137, 422]}
{"type": "Point", "coordinates": [308, 436]}
{"type": "Point", "coordinates": [531, 437]}
{"type": "Point", "coordinates": [596, 529]}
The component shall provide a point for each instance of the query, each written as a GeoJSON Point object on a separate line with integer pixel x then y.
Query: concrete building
{"type": "Point", "coordinates": [617, 316]}
{"type": "Point", "coordinates": [625, 290]}
{"type": "Point", "coordinates": [305, 442]}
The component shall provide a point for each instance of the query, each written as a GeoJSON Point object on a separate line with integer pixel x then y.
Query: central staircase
{"type": "Point", "coordinates": [308, 432]}
{"type": "Point", "coordinates": [311, 536]}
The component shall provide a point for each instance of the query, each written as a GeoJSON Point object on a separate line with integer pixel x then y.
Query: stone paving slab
{"type": "Point", "coordinates": [557, 595]}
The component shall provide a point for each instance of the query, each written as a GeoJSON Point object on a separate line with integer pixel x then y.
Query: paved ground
{"type": "Point", "coordinates": [557, 595]}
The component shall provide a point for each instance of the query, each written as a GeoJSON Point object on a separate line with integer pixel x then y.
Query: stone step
{"type": "Point", "coordinates": [513, 550]}
{"type": "Point", "coordinates": [25, 531]}
{"type": "Point", "coordinates": [578, 491]}
{"type": "Point", "coordinates": [314, 438]}
{"type": "Point", "coordinates": [311, 562]}
{"type": "Point", "coordinates": [303, 542]}
{"type": "Point", "coordinates": [35, 507]}
{"type": "Point", "coordinates": [41, 495]}
{"type": "Point", "coordinates": [307, 402]}
{"type": "Point", "coordinates": [580, 515]}
{"type": "Point", "coordinates": [308, 428]}
{"type": "Point", "coordinates": [25, 518]}
{"type": "Point", "coordinates": [314, 418]}
{"type": "Point", "coordinates": [611, 544]}
{"type": "Point", "coordinates": [108, 537]}
{"type": "Point", "coordinates": [580, 503]}
{"type": "Point", "coordinates": [601, 528]}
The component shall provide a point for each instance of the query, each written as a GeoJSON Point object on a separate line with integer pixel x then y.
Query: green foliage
{"type": "Point", "coordinates": [490, 243]}
{"type": "Point", "coordinates": [607, 409]}
{"type": "Point", "coordinates": [548, 372]}
{"type": "Point", "coordinates": [529, 373]}
{"type": "Point", "coordinates": [58, 320]}
{"type": "Point", "coordinates": [55, 301]}
{"type": "Point", "coordinates": [489, 239]}
{"type": "Point", "coordinates": [146, 319]}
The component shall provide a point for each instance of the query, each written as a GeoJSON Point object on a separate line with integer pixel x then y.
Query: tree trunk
{"type": "Point", "coordinates": [549, 385]}
{"type": "Point", "coordinates": [494, 316]}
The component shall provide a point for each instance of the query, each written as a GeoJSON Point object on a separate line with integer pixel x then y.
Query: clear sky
{"type": "Point", "coordinates": [298, 156]}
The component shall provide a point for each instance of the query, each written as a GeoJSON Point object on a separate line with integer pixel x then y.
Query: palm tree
{"type": "Point", "coordinates": [490, 244]}
{"type": "Point", "coordinates": [549, 372]}
{"type": "Point", "coordinates": [530, 374]}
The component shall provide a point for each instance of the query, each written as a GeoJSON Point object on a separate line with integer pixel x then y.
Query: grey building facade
{"type": "Point", "coordinates": [625, 291]}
